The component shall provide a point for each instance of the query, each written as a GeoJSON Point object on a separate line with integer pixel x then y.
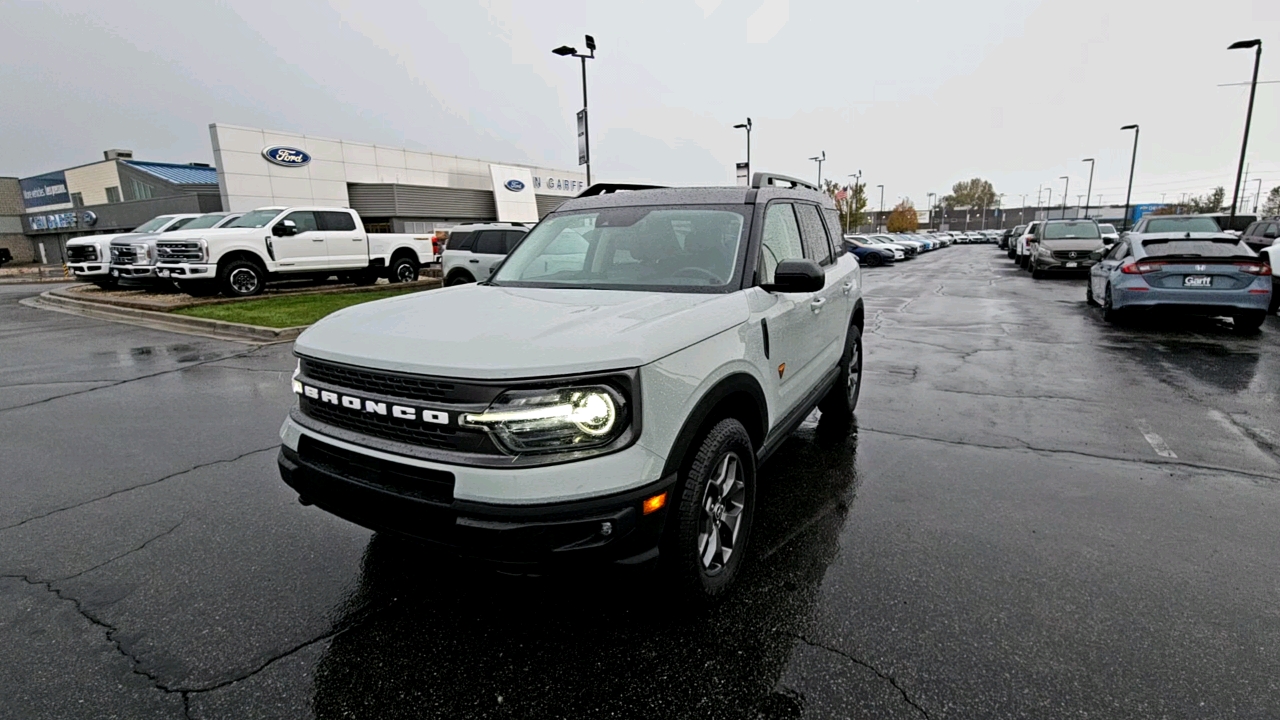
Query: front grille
{"type": "Point", "coordinates": [123, 255]}
{"type": "Point", "coordinates": [407, 480]}
{"type": "Point", "coordinates": [82, 253]}
{"type": "Point", "coordinates": [409, 432]}
{"type": "Point", "coordinates": [397, 385]}
{"type": "Point", "coordinates": [1071, 254]}
{"type": "Point", "coordinates": [179, 251]}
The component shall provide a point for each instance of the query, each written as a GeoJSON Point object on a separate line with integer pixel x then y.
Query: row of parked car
{"type": "Point", "coordinates": [1185, 264]}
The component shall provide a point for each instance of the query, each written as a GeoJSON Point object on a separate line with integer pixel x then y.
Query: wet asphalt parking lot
{"type": "Point", "coordinates": [1037, 516]}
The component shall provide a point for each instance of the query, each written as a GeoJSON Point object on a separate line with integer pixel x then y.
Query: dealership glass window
{"type": "Point", "coordinates": [113, 194]}
{"type": "Point", "coordinates": [304, 219]}
{"type": "Point", "coordinates": [141, 190]}
{"type": "Point", "coordinates": [77, 200]}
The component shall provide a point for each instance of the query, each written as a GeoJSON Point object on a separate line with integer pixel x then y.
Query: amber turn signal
{"type": "Point", "coordinates": [655, 503]}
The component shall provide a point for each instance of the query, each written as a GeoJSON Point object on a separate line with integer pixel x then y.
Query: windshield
{"type": "Point", "coordinates": [204, 221]}
{"type": "Point", "coordinates": [1195, 248]}
{"type": "Point", "coordinates": [1106, 228]}
{"type": "Point", "coordinates": [153, 224]}
{"type": "Point", "coordinates": [679, 249]}
{"type": "Point", "coordinates": [1072, 230]}
{"type": "Point", "coordinates": [1185, 224]}
{"type": "Point", "coordinates": [255, 219]}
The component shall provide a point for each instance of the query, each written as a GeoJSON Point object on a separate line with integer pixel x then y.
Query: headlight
{"type": "Point", "coordinates": [297, 386]}
{"type": "Point", "coordinates": [141, 254]}
{"type": "Point", "coordinates": [1045, 252]}
{"type": "Point", "coordinates": [204, 249]}
{"type": "Point", "coordinates": [553, 420]}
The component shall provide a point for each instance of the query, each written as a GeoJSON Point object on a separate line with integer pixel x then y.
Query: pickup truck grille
{"type": "Point", "coordinates": [82, 253]}
{"type": "Point", "coordinates": [123, 255]}
{"type": "Point", "coordinates": [175, 251]}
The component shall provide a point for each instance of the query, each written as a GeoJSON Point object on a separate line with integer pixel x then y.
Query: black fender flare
{"type": "Point", "coordinates": [738, 383]}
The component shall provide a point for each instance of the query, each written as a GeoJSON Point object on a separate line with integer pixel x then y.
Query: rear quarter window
{"type": "Point", "coordinates": [1203, 248]}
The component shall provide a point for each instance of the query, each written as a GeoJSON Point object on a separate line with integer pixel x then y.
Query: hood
{"type": "Point", "coordinates": [487, 332]}
{"type": "Point", "coordinates": [91, 239]}
{"type": "Point", "coordinates": [133, 238]}
{"type": "Point", "coordinates": [1085, 244]}
{"type": "Point", "coordinates": [211, 232]}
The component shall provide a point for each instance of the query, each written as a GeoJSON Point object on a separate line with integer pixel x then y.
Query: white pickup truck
{"type": "Point", "coordinates": [279, 243]}
{"type": "Point", "coordinates": [89, 257]}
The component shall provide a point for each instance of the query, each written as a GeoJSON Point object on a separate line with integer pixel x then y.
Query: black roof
{"type": "Point", "coordinates": [694, 196]}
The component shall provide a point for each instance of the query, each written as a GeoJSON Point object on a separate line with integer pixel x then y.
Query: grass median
{"type": "Point", "coordinates": [287, 310]}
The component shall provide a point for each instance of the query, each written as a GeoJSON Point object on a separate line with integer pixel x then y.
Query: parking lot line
{"type": "Point", "coordinates": [1155, 441]}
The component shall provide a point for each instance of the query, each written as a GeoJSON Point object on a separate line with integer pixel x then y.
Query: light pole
{"type": "Point", "coordinates": [999, 204]}
{"type": "Point", "coordinates": [933, 199]}
{"type": "Point", "coordinates": [1248, 118]}
{"type": "Point", "coordinates": [1089, 192]}
{"type": "Point", "coordinates": [747, 126]}
{"type": "Point", "coordinates": [820, 159]}
{"type": "Point", "coordinates": [853, 199]}
{"type": "Point", "coordinates": [1048, 203]}
{"type": "Point", "coordinates": [1128, 196]}
{"type": "Point", "coordinates": [1022, 211]}
{"type": "Point", "coordinates": [1066, 188]}
{"type": "Point", "coordinates": [881, 215]}
{"type": "Point", "coordinates": [584, 148]}
{"type": "Point", "coordinates": [1258, 197]}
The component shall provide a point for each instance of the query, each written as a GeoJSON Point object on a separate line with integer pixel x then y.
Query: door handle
{"type": "Point", "coordinates": [848, 287]}
{"type": "Point", "coordinates": [362, 240]}
{"type": "Point", "coordinates": [817, 305]}
{"type": "Point", "coordinates": [474, 261]}
{"type": "Point", "coordinates": [322, 239]}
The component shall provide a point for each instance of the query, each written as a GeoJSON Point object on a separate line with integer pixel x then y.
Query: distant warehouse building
{"type": "Point", "coordinates": [393, 189]}
{"type": "Point", "coordinates": [114, 195]}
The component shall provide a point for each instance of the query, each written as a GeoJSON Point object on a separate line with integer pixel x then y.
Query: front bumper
{"type": "Point", "coordinates": [90, 269]}
{"type": "Point", "coordinates": [187, 271]}
{"type": "Point", "coordinates": [419, 502]}
{"type": "Point", "coordinates": [134, 272]}
{"type": "Point", "coordinates": [1081, 264]}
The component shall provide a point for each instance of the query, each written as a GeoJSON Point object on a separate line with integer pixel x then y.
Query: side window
{"type": "Point", "coordinates": [178, 225]}
{"type": "Point", "coordinates": [780, 239]}
{"type": "Point", "coordinates": [834, 231]}
{"type": "Point", "coordinates": [1254, 229]}
{"type": "Point", "coordinates": [1274, 229]}
{"type": "Point", "coordinates": [304, 219]}
{"type": "Point", "coordinates": [337, 221]}
{"type": "Point", "coordinates": [817, 246]}
{"type": "Point", "coordinates": [489, 242]}
{"type": "Point", "coordinates": [513, 238]}
{"type": "Point", "coordinates": [461, 240]}
{"type": "Point", "coordinates": [1119, 251]}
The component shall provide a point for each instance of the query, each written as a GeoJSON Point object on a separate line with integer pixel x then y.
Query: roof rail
{"type": "Point", "coordinates": [489, 222]}
{"type": "Point", "coordinates": [607, 188]}
{"type": "Point", "coordinates": [762, 179]}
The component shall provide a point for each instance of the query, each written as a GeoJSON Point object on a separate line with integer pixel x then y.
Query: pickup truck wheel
{"type": "Point", "coordinates": [241, 278]}
{"type": "Point", "coordinates": [842, 399]}
{"type": "Point", "coordinates": [403, 270]}
{"type": "Point", "coordinates": [708, 540]}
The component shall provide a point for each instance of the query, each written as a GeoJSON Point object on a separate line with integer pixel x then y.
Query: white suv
{"type": "Point", "coordinates": [475, 249]}
{"type": "Point", "coordinates": [606, 395]}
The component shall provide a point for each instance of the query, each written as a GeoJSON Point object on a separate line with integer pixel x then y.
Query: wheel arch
{"type": "Point", "coordinates": [737, 395]}
{"type": "Point", "coordinates": [249, 255]}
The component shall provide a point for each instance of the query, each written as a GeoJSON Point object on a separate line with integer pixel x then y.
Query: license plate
{"type": "Point", "coordinates": [1197, 281]}
{"type": "Point", "coordinates": [1073, 264]}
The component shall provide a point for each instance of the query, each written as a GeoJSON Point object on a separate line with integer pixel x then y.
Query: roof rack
{"type": "Point", "coordinates": [762, 179]}
{"type": "Point", "coordinates": [490, 222]}
{"type": "Point", "coordinates": [608, 188]}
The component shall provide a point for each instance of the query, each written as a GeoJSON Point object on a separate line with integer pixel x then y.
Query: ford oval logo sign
{"type": "Point", "coordinates": [515, 185]}
{"type": "Point", "coordinates": [286, 156]}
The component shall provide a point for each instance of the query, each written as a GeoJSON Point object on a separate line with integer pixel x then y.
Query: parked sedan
{"type": "Point", "coordinates": [870, 255]}
{"type": "Point", "coordinates": [1192, 273]}
{"type": "Point", "coordinates": [922, 244]}
{"type": "Point", "coordinates": [907, 250]}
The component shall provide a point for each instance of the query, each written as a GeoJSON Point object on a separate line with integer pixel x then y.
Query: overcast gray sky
{"type": "Point", "coordinates": [916, 94]}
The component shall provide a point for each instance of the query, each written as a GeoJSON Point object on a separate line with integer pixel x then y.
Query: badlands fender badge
{"type": "Point", "coordinates": [371, 407]}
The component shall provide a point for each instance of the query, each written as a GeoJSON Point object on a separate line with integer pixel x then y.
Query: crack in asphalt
{"type": "Point", "coordinates": [863, 663]}
{"type": "Point", "coordinates": [118, 383]}
{"type": "Point", "coordinates": [1079, 453]}
{"type": "Point", "coordinates": [1015, 397]}
{"type": "Point", "coordinates": [140, 485]}
{"type": "Point", "coordinates": [114, 558]}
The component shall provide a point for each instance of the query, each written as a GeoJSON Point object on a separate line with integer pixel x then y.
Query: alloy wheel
{"type": "Point", "coordinates": [723, 501]}
{"type": "Point", "coordinates": [244, 281]}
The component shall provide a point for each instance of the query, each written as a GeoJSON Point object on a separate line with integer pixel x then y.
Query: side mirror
{"type": "Point", "coordinates": [285, 228]}
{"type": "Point", "coordinates": [797, 276]}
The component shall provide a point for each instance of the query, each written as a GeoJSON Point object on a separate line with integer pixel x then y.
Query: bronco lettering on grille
{"type": "Point", "coordinates": [400, 412]}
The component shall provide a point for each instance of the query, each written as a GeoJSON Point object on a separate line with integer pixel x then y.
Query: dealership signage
{"type": "Point", "coordinates": [514, 185]}
{"type": "Point", "coordinates": [286, 156]}
{"type": "Point", "coordinates": [54, 221]}
{"type": "Point", "coordinates": [558, 184]}
{"type": "Point", "coordinates": [45, 190]}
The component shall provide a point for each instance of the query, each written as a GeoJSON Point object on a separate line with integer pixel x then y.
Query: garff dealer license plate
{"type": "Point", "coordinates": [1197, 281]}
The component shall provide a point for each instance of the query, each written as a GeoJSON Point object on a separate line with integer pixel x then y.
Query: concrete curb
{"type": "Point", "coordinates": [218, 329]}
{"type": "Point", "coordinates": [72, 294]}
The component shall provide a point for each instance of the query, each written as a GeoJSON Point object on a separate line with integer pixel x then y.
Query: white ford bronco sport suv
{"type": "Point", "coordinates": [606, 395]}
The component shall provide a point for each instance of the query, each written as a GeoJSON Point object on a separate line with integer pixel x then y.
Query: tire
{"type": "Point", "coordinates": [723, 467]}
{"type": "Point", "coordinates": [366, 278]}
{"type": "Point", "coordinates": [1249, 322]}
{"type": "Point", "coordinates": [1109, 311]}
{"type": "Point", "coordinates": [459, 278]}
{"type": "Point", "coordinates": [1036, 272]}
{"type": "Point", "coordinates": [403, 270]}
{"type": "Point", "coordinates": [241, 278]}
{"type": "Point", "coordinates": [1088, 294]}
{"type": "Point", "coordinates": [1275, 297]}
{"type": "Point", "coordinates": [204, 288]}
{"type": "Point", "coordinates": [1012, 252]}
{"type": "Point", "coordinates": [842, 399]}
{"type": "Point", "coordinates": [874, 260]}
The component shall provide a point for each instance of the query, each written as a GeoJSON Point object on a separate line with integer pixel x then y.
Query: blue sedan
{"type": "Point", "coordinates": [1191, 273]}
{"type": "Point", "coordinates": [869, 255]}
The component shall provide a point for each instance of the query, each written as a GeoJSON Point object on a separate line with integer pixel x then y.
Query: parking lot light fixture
{"type": "Point", "coordinates": [820, 158]}
{"type": "Point", "coordinates": [747, 126]}
{"type": "Point", "coordinates": [567, 51]}
{"type": "Point", "coordinates": [1088, 193]}
{"type": "Point", "coordinates": [1133, 161]}
{"type": "Point", "coordinates": [1066, 189]}
{"type": "Point", "coordinates": [1248, 118]}
{"type": "Point", "coordinates": [880, 218]}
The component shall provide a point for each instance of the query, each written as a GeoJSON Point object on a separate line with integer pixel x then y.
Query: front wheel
{"type": "Point", "coordinates": [707, 539]}
{"type": "Point", "coordinates": [842, 398]}
{"type": "Point", "coordinates": [403, 270]}
{"type": "Point", "coordinates": [1109, 311]}
{"type": "Point", "coordinates": [241, 278]}
{"type": "Point", "coordinates": [460, 278]}
{"type": "Point", "coordinates": [1036, 272]}
{"type": "Point", "coordinates": [873, 260]}
{"type": "Point", "coordinates": [1088, 294]}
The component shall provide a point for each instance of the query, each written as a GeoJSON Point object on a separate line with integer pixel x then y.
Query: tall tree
{"type": "Point", "coordinates": [1210, 203]}
{"type": "Point", "coordinates": [851, 203]}
{"type": "Point", "coordinates": [975, 193]}
{"type": "Point", "coordinates": [1272, 206]}
{"type": "Point", "coordinates": [903, 218]}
